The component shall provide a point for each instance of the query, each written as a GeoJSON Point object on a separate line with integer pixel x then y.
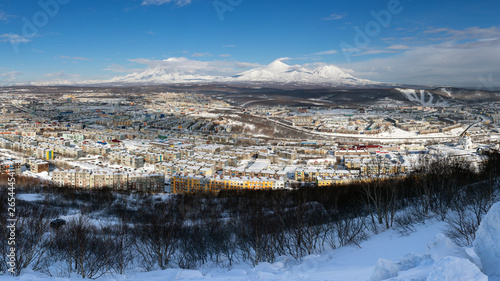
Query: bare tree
{"type": "Point", "coordinates": [462, 227]}
{"type": "Point", "coordinates": [30, 239]}
{"type": "Point", "coordinates": [84, 245]}
{"type": "Point", "coordinates": [156, 238]}
{"type": "Point", "coordinates": [381, 200]}
{"type": "Point", "coordinates": [121, 237]}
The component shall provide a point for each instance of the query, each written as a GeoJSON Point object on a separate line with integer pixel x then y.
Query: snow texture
{"type": "Point", "coordinates": [423, 97]}
{"type": "Point", "coordinates": [456, 269]}
{"type": "Point", "coordinates": [280, 72]}
{"type": "Point", "coordinates": [442, 247]}
{"type": "Point", "coordinates": [30, 197]}
{"type": "Point", "coordinates": [487, 243]}
{"type": "Point", "coordinates": [443, 261]}
{"type": "Point", "coordinates": [385, 269]}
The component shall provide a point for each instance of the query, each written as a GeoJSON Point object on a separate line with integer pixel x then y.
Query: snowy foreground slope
{"type": "Point", "coordinates": [487, 243]}
{"type": "Point", "coordinates": [425, 254]}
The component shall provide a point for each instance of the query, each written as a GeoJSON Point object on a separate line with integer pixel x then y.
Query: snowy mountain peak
{"type": "Point", "coordinates": [162, 75]}
{"type": "Point", "coordinates": [331, 71]}
{"type": "Point", "coordinates": [279, 72]}
{"type": "Point", "coordinates": [278, 65]}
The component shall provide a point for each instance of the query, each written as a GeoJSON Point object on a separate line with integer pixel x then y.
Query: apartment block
{"type": "Point", "coordinates": [190, 183]}
{"type": "Point", "coordinates": [100, 179]}
{"type": "Point", "coordinates": [39, 166]}
{"type": "Point", "coordinates": [10, 166]}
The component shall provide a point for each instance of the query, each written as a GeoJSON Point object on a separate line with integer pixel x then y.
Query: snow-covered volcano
{"type": "Point", "coordinates": [281, 73]}
{"type": "Point", "coordinates": [183, 70]}
{"type": "Point", "coordinates": [162, 76]}
{"type": "Point", "coordinates": [172, 70]}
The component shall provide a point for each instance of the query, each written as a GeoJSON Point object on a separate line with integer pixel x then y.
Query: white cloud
{"type": "Point", "coordinates": [75, 58]}
{"type": "Point", "coordinates": [438, 56]}
{"type": "Point", "coordinates": [195, 55]}
{"type": "Point", "coordinates": [61, 74]}
{"type": "Point", "coordinates": [398, 47]}
{"type": "Point", "coordinates": [11, 75]}
{"type": "Point", "coordinates": [213, 68]}
{"type": "Point", "coordinates": [329, 52]}
{"type": "Point", "coordinates": [121, 69]}
{"type": "Point", "coordinates": [161, 2]}
{"type": "Point", "coordinates": [375, 52]}
{"type": "Point", "coordinates": [5, 17]}
{"type": "Point", "coordinates": [225, 55]}
{"type": "Point", "coordinates": [448, 63]}
{"type": "Point", "coordinates": [468, 33]}
{"type": "Point", "coordinates": [335, 17]}
{"type": "Point", "coordinates": [13, 38]}
{"type": "Point", "coordinates": [487, 39]}
{"type": "Point", "coordinates": [284, 59]}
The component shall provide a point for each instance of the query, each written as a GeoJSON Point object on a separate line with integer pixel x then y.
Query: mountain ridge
{"type": "Point", "coordinates": [275, 74]}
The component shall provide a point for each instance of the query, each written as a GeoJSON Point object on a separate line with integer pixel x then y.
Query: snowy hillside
{"type": "Point", "coordinates": [424, 97]}
{"type": "Point", "coordinates": [425, 254]}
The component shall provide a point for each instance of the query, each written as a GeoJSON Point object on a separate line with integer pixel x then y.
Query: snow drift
{"type": "Point", "coordinates": [487, 243]}
{"type": "Point", "coordinates": [443, 261]}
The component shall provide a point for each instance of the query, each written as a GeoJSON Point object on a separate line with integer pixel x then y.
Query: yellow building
{"type": "Point", "coordinates": [325, 181]}
{"type": "Point", "coordinates": [306, 175]}
{"type": "Point", "coordinates": [190, 183]}
{"type": "Point", "coordinates": [49, 154]}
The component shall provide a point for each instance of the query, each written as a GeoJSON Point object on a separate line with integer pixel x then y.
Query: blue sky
{"type": "Point", "coordinates": [413, 41]}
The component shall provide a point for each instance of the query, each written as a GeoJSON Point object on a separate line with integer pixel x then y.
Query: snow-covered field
{"type": "Point", "coordinates": [30, 197]}
{"type": "Point", "coordinates": [425, 254]}
{"type": "Point", "coordinates": [398, 135]}
{"type": "Point", "coordinates": [44, 176]}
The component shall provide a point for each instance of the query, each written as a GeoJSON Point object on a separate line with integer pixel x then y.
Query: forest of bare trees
{"type": "Point", "coordinates": [115, 233]}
